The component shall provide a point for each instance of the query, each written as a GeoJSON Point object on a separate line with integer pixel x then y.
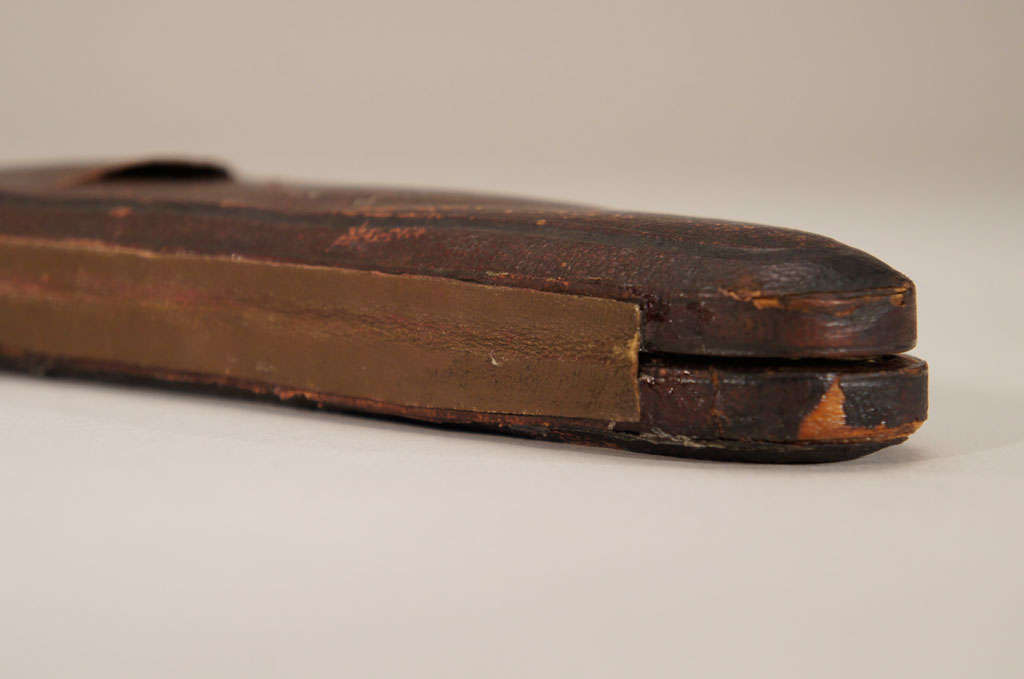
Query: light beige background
{"type": "Point", "coordinates": [145, 533]}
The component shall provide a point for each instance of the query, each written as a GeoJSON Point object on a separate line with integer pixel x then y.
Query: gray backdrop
{"type": "Point", "coordinates": [151, 534]}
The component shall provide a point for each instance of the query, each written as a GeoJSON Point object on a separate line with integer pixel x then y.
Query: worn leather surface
{"type": "Point", "coordinates": [705, 287]}
{"type": "Point", "coordinates": [700, 362]}
{"type": "Point", "coordinates": [406, 340]}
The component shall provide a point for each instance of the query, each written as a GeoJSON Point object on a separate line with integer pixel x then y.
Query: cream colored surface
{"type": "Point", "coordinates": [157, 534]}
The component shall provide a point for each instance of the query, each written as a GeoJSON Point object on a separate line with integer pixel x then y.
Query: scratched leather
{"type": "Point", "coordinates": [704, 286]}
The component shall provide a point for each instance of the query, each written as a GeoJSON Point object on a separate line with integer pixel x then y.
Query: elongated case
{"type": "Point", "coordinates": [692, 337]}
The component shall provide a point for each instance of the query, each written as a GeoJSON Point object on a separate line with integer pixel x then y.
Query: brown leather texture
{"type": "Point", "coordinates": [672, 335]}
{"type": "Point", "coordinates": [704, 287]}
{"type": "Point", "coordinates": [407, 340]}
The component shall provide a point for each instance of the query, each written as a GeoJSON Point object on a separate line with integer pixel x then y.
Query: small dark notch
{"type": "Point", "coordinates": [159, 170]}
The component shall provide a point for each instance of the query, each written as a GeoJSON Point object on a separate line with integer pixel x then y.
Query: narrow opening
{"type": "Point", "coordinates": [157, 170]}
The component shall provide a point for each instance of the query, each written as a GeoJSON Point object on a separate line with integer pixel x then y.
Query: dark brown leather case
{"type": "Point", "coordinates": [693, 337]}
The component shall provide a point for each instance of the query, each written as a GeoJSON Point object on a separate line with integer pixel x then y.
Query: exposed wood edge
{"type": "Point", "coordinates": [827, 422]}
{"type": "Point", "coordinates": [897, 296]}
